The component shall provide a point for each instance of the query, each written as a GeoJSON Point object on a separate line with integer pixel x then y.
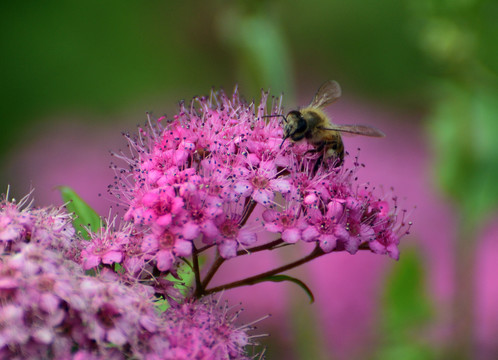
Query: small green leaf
{"type": "Point", "coordinates": [186, 276]}
{"type": "Point", "coordinates": [280, 278]}
{"type": "Point", "coordinates": [84, 214]}
{"type": "Point", "coordinates": [162, 305]}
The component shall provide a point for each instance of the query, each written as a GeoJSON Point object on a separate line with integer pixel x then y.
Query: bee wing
{"type": "Point", "coordinates": [329, 92]}
{"type": "Point", "coordinates": [356, 130]}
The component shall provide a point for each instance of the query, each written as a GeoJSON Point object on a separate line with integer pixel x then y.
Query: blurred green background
{"type": "Point", "coordinates": [93, 62]}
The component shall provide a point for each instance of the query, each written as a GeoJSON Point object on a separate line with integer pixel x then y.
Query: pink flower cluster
{"type": "Point", "coordinates": [51, 309]}
{"type": "Point", "coordinates": [204, 330]}
{"type": "Point", "coordinates": [50, 227]}
{"type": "Point", "coordinates": [201, 176]}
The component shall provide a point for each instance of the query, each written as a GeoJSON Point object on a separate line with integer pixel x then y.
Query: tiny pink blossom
{"type": "Point", "coordinates": [165, 246]}
{"type": "Point", "coordinates": [288, 223]}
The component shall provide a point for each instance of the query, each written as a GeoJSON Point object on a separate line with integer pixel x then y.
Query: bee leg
{"type": "Point", "coordinates": [318, 162]}
{"type": "Point", "coordinates": [311, 151]}
{"type": "Point", "coordinates": [318, 148]}
{"type": "Point", "coordinates": [335, 151]}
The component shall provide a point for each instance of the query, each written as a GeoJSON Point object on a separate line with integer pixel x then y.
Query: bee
{"type": "Point", "coordinates": [313, 125]}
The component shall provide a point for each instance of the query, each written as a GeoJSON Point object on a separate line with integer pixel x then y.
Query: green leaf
{"type": "Point", "coordinates": [186, 275]}
{"type": "Point", "coordinates": [280, 278]}
{"type": "Point", "coordinates": [84, 214]}
{"type": "Point", "coordinates": [162, 305]}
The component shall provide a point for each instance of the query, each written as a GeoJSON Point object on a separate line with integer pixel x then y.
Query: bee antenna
{"type": "Point", "coordinates": [277, 115]}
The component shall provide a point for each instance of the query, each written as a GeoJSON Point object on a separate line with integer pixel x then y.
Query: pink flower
{"type": "Point", "coordinates": [262, 183]}
{"type": "Point", "coordinates": [231, 236]}
{"type": "Point", "coordinates": [289, 223]}
{"type": "Point", "coordinates": [165, 245]}
{"type": "Point", "coordinates": [157, 206]}
{"type": "Point", "coordinates": [386, 243]}
{"type": "Point", "coordinates": [356, 231]}
{"type": "Point", "coordinates": [104, 247]}
{"type": "Point", "coordinates": [325, 227]}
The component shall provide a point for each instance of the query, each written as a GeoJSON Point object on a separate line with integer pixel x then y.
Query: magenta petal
{"type": "Point", "coordinates": [366, 232]}
{"type": "Point", "coordinates": [328, 242]}
{"type": "Point", "coordinates": [310, 199]}
{"type": "Point", "coordinates": [112, 257]}
{"type": "Point", "coordinates": [90, 261]}
{"type": "Point", "coordinates": [176, 205]}
{"type": "Point", "coordinates": [164, 260]}
{"type": "Point", "coordinates": [377, 247]}
{"type": "Point", "coordinates": [228, 249]}
{"type": "Point", "coordinates": [341, 232]}
{"type": "Point", "coordinates": [274, 227]}
{"type": "Point", "coordinates": [49, 302]}
{"type": "Point", "coordinates": [150, 244]}
{"type": "Point", "coordinates": [352, 244]}
{"type": "Point", "coordinates": [116, 336]}
{"type": "Point", "coordinates": [209, 229]}
{"type": "Point", "coordinates": [253, 159]}
{"type": "Point", "coordinates": [393, 251]}
{"type": "Point", "coordinates": [190, 231]}
{"type": "Point", "coordinates": [270, 215]}
{"type": "Point", "coordinates": [315, 215]}
{"type": "Point", "coordinates": [153, 176]}
{"type": "Point", "coordinates": [291, 235]}
{"type": "Point", "coordinates": [334, 209]}
{"type": "Point", "coordinates": [281, 185]}
{"type": "Point", "coordinates": [164, 220]}
{"type": "Point", "coordinates": [246, 237]}
{"type": "Point", "coordinates": [310, 233]}
{"type": "Point", "coordinates": [183, 247]}
{"type": "Point", "coordinates": [263, 196]}
{"type": "Point", "coordinates": [243, 188]}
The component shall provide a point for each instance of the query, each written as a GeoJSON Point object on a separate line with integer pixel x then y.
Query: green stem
{"type": "Point", "coordinates": [256, 278]}
{"type": "Point", "coordinates": [219, 260]}
{"type": "Point", "coordinates": [197, 273]}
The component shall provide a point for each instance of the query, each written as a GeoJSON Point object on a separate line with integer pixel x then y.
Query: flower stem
{"type": "Point", "coordinates": [257, 278]}
{"type": "Point", "coordinates": [219, 260]}
{"type": "Point", "coordinates": [268, 246]}
{"type": "Point", "coordinates": [317, 252]}
{"type": "Point", "coordinates": [197, 272]}
{"type": "Point", "coordinates": [249, 208]}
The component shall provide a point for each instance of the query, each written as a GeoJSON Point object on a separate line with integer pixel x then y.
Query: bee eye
{"type": "Point", "coordinates": [301, 125]}
{"type": "Point", "coordinates": [334, 146]}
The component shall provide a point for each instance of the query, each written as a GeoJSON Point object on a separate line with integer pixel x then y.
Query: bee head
{"type": "Point", "coordinates": [296, 126]}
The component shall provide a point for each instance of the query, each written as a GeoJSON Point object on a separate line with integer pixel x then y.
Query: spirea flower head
{"type": "Point", "coordinates": [201, 175]}
{"type": "Point", "coordinates": [205, 329]}
{"type": "Point", "coordinates": [50, 227]}
{"type": "Point", "coordinates": [50, 308]}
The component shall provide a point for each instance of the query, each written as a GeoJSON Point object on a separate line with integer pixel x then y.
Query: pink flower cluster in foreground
{"type": "Point", "coordinates": [49, 309]}
{"type": "Point", "coordinates": [201, 176]}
